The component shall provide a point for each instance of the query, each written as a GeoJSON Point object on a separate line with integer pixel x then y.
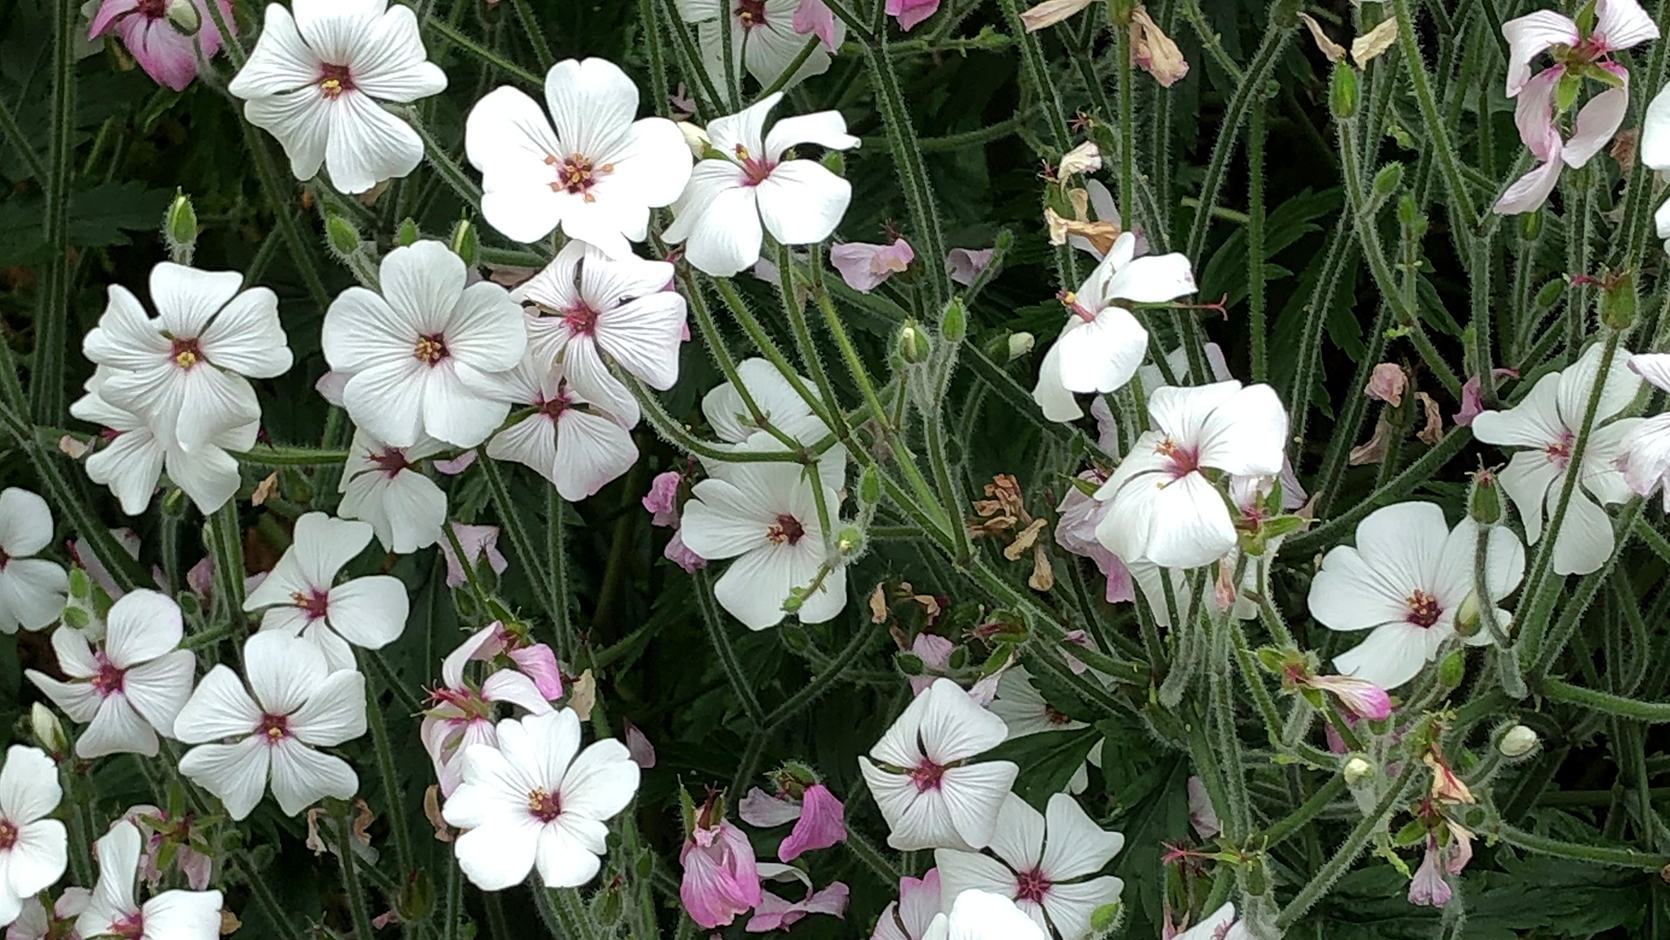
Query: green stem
{"type": "Point", "coordinates": [52, 310]}
{"type": "Point", "coordinates": [227, 547]}
{"type": "Point", "coordinates": [821, 683]}
{"type": "Point", "coordinates": [20, 143]}
{"type": "Point", "coordinates": [1416, 474]}
{"type": "Point", "coordinates": [556, 560]}
{"type": "Point", "coordinates": [536, 36]}
{"type": "Point", "coordinates": [398, 811]}
{"type": "Point", "coordinates": [1598, 854]}
{"type": "Point", "coordinates": [1256, 326]}
{"type": "Point", "coordinates": [277, 455]}
{"type": "Point", "coordinates": [450, 34]}
{"type": "Point", "coordinates": [350, 875]}
{"type": "Point", "coordinates": [716, 627]}
{"type": "Point", "coordinates": [527, 550]}
{"type": "Point", "coordinates": [1297, 820]}
{"type": "Point", "coordinates": [1558, 690]}
{"type": "Point", "coordinates": [1323, 880]}
{"type": "Point", "coordinates": [1437, 129]}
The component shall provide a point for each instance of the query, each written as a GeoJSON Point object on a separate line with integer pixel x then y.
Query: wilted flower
{"type": "Point", "coordinates": [720, 877]}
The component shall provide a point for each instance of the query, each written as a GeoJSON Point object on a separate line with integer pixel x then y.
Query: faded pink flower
{"type": "Point", "coordinates": [775, 913]}
{"type": "Point", "coordinates": [330, 386]}
{"type": "Point", "coordinates": [166, 54]}
{"type": "Point", "coordinates": [1075, 531]}
{"type": "Point", "coordinates": [158, 829]}
{"type": "Point", "coordinates": [200, 580]}
{"type": "Point", "coordinates": [935, 653]}
{"type": "Point", "coordinates": [476, 541]}
{"type": "Point", "coordinates": [455, 465]}
{"type": "Point", "coordinates": [720, 877]}
{"type": "Point", "coordinates": [909, 917]}
{"type": "Point", "coordinates": [814, 18]}
{"type": "Point", "coordinates": [865, 266]}
{"type": "Point", "coordinates": [1077, 638]}
{"type": "Point", "coordinates": [1202, 816]}
{"type": "Point", "coordinates": [965, 264]}
{"type": "Point", "coordinates": [637, 745]}
{"type": "Point", "coordinates": [1387, 383]}
{"type": "Point", "coordinates": [1363, 698]}
{"type": "Point", "coordinates": [911, 12]}
{"type": "Point", "coordinates": [680, 554]}
{"type": "Point", "coordinates": [662, 499]}
{"type": "Point", "coordinates": [1428, 887]}
{"type": "Point", "coordinates": [822, 823]}
{"type": "Point", "coordinates": [1471, 406]}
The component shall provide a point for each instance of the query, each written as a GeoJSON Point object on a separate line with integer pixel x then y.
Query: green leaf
{"type": "Point", "coordinates": [1048, 760]}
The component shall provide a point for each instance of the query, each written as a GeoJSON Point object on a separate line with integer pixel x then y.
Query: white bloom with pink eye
{"type": "Point", "coordinates": [909, 917]}
{"type": "Point", "coordinates": [166, 54]}
{"type": "Point", "coordinates": [113, 911]}
{"type": "Point", "coordinates": [318, 81]}
{"type": "Point", "coordinates": [1219, 925]}
{"type": "Point", "coordinates": [32, 590]}
{"type": "Point", "coordinates": [300, 595]}
{"type": "Point", "coordinates": [132, 685]}
{"type": "Point", "coordinates": [1404, 581]}
{"type": "Point", "coordinates": [298, 705]}
{"type": "Point", "coordinates": [1646, 459]}
{"type": "Point", "coordinates": [1047, 863]}
{"type": "Point", "coordinates": [1546, 423]}
{"type": "Point", "coordinates": [1024, 711]}
{"type": "Point", "coordinates": [864, 266]}
{"type": "Point", "coordinates": [462, 713]}
{"type": "Point", "coordinates": [184, 370]}
{"type": "Point", "coordinates": [1164, 509]}
{"type": "Point", "coordinates": [538, 801]}
{"type": "Point", "coordinates": [575, 444]}
{"type": "Point", "coordinates": [34, 848]}
{"type": "Point", "coordinates": [782, 407]}
{"type": "Point", "coordinates": [589, 167]}
{"type": "Point", "coordinates": [33, 923]}
{"type": "Point", "coordinates": [925, 780]}
{"type": "Point", "coordinates": [383, 486]}
{"type": "Point", "coordinates": [1107, 344]}
{"type": "Point", "coordinates": [767, 36]}
{"type": "Point", "coordinates": [982, 915]}
{"type": "Point", "coordinates": [749, 178]}
{"type": "Point", "coordinates": [765, 516]}
{"type": "Point", "coordinates": [591, 310]}
{"type": "Point", "coordinates": [422, 355]}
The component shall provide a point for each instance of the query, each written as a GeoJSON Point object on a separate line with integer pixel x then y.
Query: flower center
{"type": "Point", "coordinates": [8, 834]}
{"type": "Point", "coordinates": [334, 80]}
{"type": "Point", "coordinates": [1183, 461]}
{"type": "Point", "coordinates": [580, 319]}
{"type": "Point", "coordinates": [750, 13]}
{"type": "Point", "coordinates": [1031, 886]}
{"type": "Point", "coordinates": [544, 805]}
{"type": "Point", "coordinates": [576, 174]}
{"type": "Point", "coordinates": [3, 559]}
{"type": "Point", "coordinates": [754, 171]}
{"type": "Point", "coordinates": [274, 727]}
{"type": "Point", "coordinates": [926, 775]}
{"type": "Point", "coordinates": [108, 681]}
{"type": "Point", "coordinates": [786, 530]}
{"type": "Point", "coordinates": [186, 353]}
{"type": "Point", "coordinates": [430, 349]}
{"type": "Point", "coordinates": [316, 603]}
{"type": "Point", "coordinates": [554, 407]}
{"type": "Point", "coordinates": [392, 461]}
{"type": "Point", "coordinates": [152, 9]}
{"type": "Point", "coordinates": [1423, 608]}
{"type": "Point", "coordinates": [1560, 451]}
{"type": "Point", "coordinates": [129, 927]}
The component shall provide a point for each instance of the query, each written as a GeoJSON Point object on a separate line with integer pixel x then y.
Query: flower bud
{"type": "Point", "coordinates": [953, 324]}
{"type": "Point", "coordinates": [695, 138]}
{"type": "Point", "coordinates": [466, 242]}
{"type": "Point", "coordinates": [174, 504]}
{"type": "Point", "coordinates": [1357, 770]}
{"type": "Point", "coordinates": [835, 162]}
{"type": "Point", "coordinates": [1617, 302]}
{"type": "Point", "coordinates": [1517, 741]}
{"type": "Point", "coordinates": [1388, 179]}
{"type": "Point", "coordinates": [1550, 293]}
{"type": "Point", "coordinates": [1468, 617]}
{"type": "Point", "coordinates": [1484, 499]}
{"type": "Point", "coordinates": [913, 343]}
{"type": "Point", "coordinates": [1454, 668]}
{"type": "Point", "coordinates": [184, 17]}
{"type": "Point", "coordinates": [1343, 93]}
{"type": "Point", "coordinates": [416, 898]}
{"type": "Point", "coordinates": [341, 235]}
{"type": "Point", "coordinates": [1020, 344]}
{"type": "Point", "coordinates": [849, 541]}
{"type": "Point", "coordinates": [49, 733]}
{"type": "Point", "coordinates": [909, 663]}
{"type": "Point", "coordinates": [1530, 225]}
{"type": "Point", "coordinates": [869, 487]}
{"type": "Point", "coordinates": [179, 228]}
{"type": "Point", "coordinates": [408, 233]}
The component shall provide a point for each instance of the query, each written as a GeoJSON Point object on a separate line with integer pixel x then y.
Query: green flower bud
{"type": "Point", "coordinates": [183, 16]}
{"type": "Point", "coordinates": [179, 228]}
{"type": "Point", "coordinates": [76, 618]}
{"type": "Point", "coordinates": [1357, 770]}
{"type": "Point", "coordinates": [1530, 225]}
{"type": "Point", "coordinates": [1343, 93]}
{"type": "Point", "coordinates": [416, 898]}
{"type": "Point", "coordinates": [408, 233]}
{"type": "Point", "coordinates": [49, 733]}
{"type": "Point", "coordinates": [1407, 212]}
{"type": "Point", "coordinates": [466, 242]}
{"type": "Point", "coordinates": [869, 487]}
{"type": "Point", "coordinates": [953, 324]}
{"type": "Point", "coordinates": [1454, 667]}
{"type": "Point", "coordinates": [1550, 293]}
{"type": "Point", "coordinates": [341, 235]}
{"type": "Point", "coordinates": [1517, 741]}
{"type": "Point", "coordinates": [849, 541]}
{"type": "Point", "coordinates": [835, 162]}
{"type": "Point", "coordinates": [1484, 499]}
{"type": "Point", "coordinates": [909, 663]}
{"type": "Point", "coordinates": [913, 343]}
{"type": "Point", "coordinates": [1020, 344]}
{"type": "Point", "coordinates": [1468, 617]}
{"type": "Point", "coordinates": [1618, 302]}
{"type": "Point", "coordinates": [606, 906]}
{"type": "Point", "coordinates": [1388, 179]}
{"type": "Point", "coordinates": [1105, 918]}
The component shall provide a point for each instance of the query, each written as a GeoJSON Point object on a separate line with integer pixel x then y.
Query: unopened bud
{"type": "Point", "coordinates": [1515, 742]}
{"type": "Point", "coordinates": [1342, 92]}
{"type": "Point", "coordinates": [835, 162]}
{"type": "Point", "coordinates": [341, 235]}
{"type": "Point", "coordinates": [1530, 225]}
{"type": "Point", "coordinates": [466, 242]}
{"type": "Point", "coordinates": [1020, 344]}
{"type": "Point", "coordinates": [1388, 179]}
{"type": "Point", "coordinates": [49, 733]}
{"type": "Point", "coordinates": [913, 343]}
{"type": "Point", "coordinates": [869, 487]}
{"type": "Point", "coordinates": [183, 16]}
{"type": "Point", "coordinates": [909, 663]}
{"type": "Point", "coordinates": [1357, 770]}
{"type": "Point", "coordinates": [179, 228]}
{"type": "Point", "coordinates": [1550, 293]}
{"type": "Point", "coordinates": [408, 233]}
{"type": "Point", "coordinates": [1484, 499]}
{"type": "Point", "coordinates": [953, 324]}
{"type": "Point", "coordinates": [1468, 616]}
{"type": "Point", "coordinates": [695, 138]}
{"type": "Point", "coordinates": [1617, 302]}
{"type": "Point", "coordinates": [849, 540]}
{"type": "Point", "coordinates": [416, 898]}
{"type": "Point", "coordinates": [1453, 669]}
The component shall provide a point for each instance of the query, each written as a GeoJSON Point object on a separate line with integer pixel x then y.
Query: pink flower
{"type": "Point", "coordinates": [662, 499]}
{"type": "Point", "coordinates": [1471, 406]}
{"type": "Point", "coordinates": [822, 823]}
{"type": "Point", "coordinates": [864, 266]}
{"type": "Point", "coordinates": [1387, 383]}
{"type": "Point", "coordinates": [813, 17]}
{"type": "Point", "coordinates": [476, 541]}
{"type": "Point", "coordinates": [1363, 698]}
{"type": "Point", "coordinates": [720, 878]}
{"type": "Point", "coordinates": [538, 663]}
{"type": "Point", "coordinates": [909, 917]}
{"type": "Point", "coordinates": [1428, 886]}
{"type": "Point", "coordinates": [680, 554]}
{"type": "Point", "coordinates": [1077, 638]}
{"type": "Point", "coordinates": [965, 264]}
{"type": "Point", "coordinates": [157, 829]}
{"type": "Point", "coordinates": [935, 653]}
{"type": "Point", "coordinates": [201, 578]}
{"type": "Point", "coordinates": [911, 12]}
{"type": "Point", "coordinates": [774, 913]}
{"type": "Point", "coordinates": [456, 465]}
{"type": "Point", "coordinates": [1075, 531]}
{"type": "Point", "coordinates": [166, 54]}
{"type": "Point", "coordinates": [637, 745]}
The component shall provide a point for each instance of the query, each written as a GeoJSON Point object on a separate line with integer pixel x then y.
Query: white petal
{"type": "Point", "coordinates": [1528, 36]}
{"type": "Point", "coordinates": [369, 612]}
{"type": "Point", "coordinates": [1050, 393]}
{"type": "Point", "coordinates": [507, 137]}
{"type": "Point", "coordinates": [158, 689]}
{"type": "Point", "coordinates": [367, 144]}
{"type": "Point", "coordinates": [1245, 434]}
{"type": "Point", "coordinates": [1585, 541]}
{"type": "Point", "coordinates": [38, 858]}
{"type": "Point", "coordinates": [487, 329]}
{"type": "Point", "coordinates": [1072, 906]}
{"type": "Point", "coordinates": [802, 202]}
{"type": "Point", "coordinates": [973, 794]}
{"type": "Point", "coordinates": [1390, 656]}
{"type": "Point", "coordinates": [1578, 382]}
{"type": "Point", "coordinates": [826, 129]}
{"type": "Point", "coordinates": [1019, 837]}
{"type": "Point", "coordinates": [25, 522]}
{"type": "Point", "coordinates": [1102, 355]}
{"type": "Point", "coordinates": [116, 729]}
{"type": "Point", "coordinates": [236, 773]}
{"type": "Point", "coordinates": [301, 122]}
{"type": "Point", "coordinates": [601, 781]}
{"type": "Point", "coordinates": [140, 627]}
{"type": "Point", "coordinates": [723, 521]}
{"type": "Point", "coordinates": [32, 592]}
{"type": "Point", "coordinates": [1530, 191]}
{"type": "Point", "coordinates": [392, 65]}
{"type": "Point", "coordinates": [498, 855]}
{"type": "Point", "coordinates": [1621, 24]}
{"type": "Point", "coordinates": [1152, 279]}
{"type": "Point", "coordinates": [726, 236]}
{"type": "Point", "coordinates": [1529, 479]}
{"type": "Point", "coordinates": [754, 587]}
{"type": "Point", "coordinates": [112, 900]}
{"type": "Point", "coordinates": [218, 708]}
{"type": "Point", "coordinates": [1655, 132]}
{"type": "Point", "coordinates": [283, 671]}
{"type": "Point", "coordinates": [1595, 124]}
{"type": "Point", "coordinates": [954, 728]}
{"type": "Point", "coordinates": [645, 336]}
{"type": "Point", "coordinates": [246, 336]}
{"type": "Point", "coordinates": [1075, 846]}
{"type": "Point", "coordinates": [1192, 524]}
{"type": "Point", "coordinates": [303, 776]}
{"type": "Point", "coordinates": [961, 871]}
{"type": "Point", "coordinates": [591, 451]}
{"type": "Point", "coordinates": [130, 466]}
{"type": "Point", "coordinates": [567, 855]}
{"type": "Point", "coordinates": [281, 60]}
{"type": "Point", "coordinates": [334, 712]}
{"type": "Point", "coordinates": [185, 915]}
{"type": "Point", "coordinates": [1534, 422]}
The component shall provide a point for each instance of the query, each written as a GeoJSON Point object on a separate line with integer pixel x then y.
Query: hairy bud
{"type": "Point", "coordinates": [407, 235]}
{"type": "Point", "coordinates": [913, 343]}
{"type": "Point", "coordinates": [1517, 741]}
{"type": "Point", "coordinates": [49, 733]}
{"type": "Point", "coordinates": [341, 235]}
{"type": "Point", "coordinates": [179, 228]}
{"type": "Point", "coordinates": [1356, 770]}
{"type": "Point", "coordinates": [953, 324]}
{"type": "Point", "coordinates": [1343, 93]}
{"type": "Point", "coordinates": [183, 16]}
{"type": "Point", "coordinates": [1484, 499]}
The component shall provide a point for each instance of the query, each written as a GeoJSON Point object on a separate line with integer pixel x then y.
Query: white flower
{"type": "Point", "coordinates": [1219, 925]}
{"type": "Point", "coordinates": [909, 917]}
{"type": "Point", "coordinates": [591, 307]}
{"type": "Point", "coordinates": [922, 779]}
{"type": "Point", "coordinates": [763, 40]}
{"type": "Point", "coordinates": [532, 802]}
{"type": "Point", "coordinates": [573, 443]}
{"type": "Point", "coordinates": [765, 515]}
{"type": "Point", "coordinates": [421, 356]}
{"type": "Point", "coordinates": [383, 486]}
{"type": "Point", "coordinates": [1165, 510]}
{"type": "Point", "coordinates": [782, 408]}
{"type": "Point", "coordinates": [1405, 580]}
{"type": "Point", "coordinates": [113, 911]}
{"type": "Point", "coordinates": [1646, 461]}
{"type": "Point", "coordinates": [597, 173]}
{"type": "Point", "coordinates": [302, 599]}
{"type": "Point", "coordinates": [801, 202]}
{"type": "Point", "coordinates": [315, 83]}
{"type": "Point", "coordinates": [1547, 421]}
{"type": "Point", "coordinates": [1045, 862]}
{"type": "Point", "coordinates": [32, 590]}
{"type": "Point", "coordinates": [34, 848]}
{"type": "Point", "coordinates": [34, 924]}
{"type": "Point", "coordinates": [1024, 711]}
{"type": "Point", "coordinates": [184, 371]}
{"type": "Point", "coordinates": [299, 704]}
{"type": "Point", "coordinates": [133, 457]}
{"type": "Point", "coordinates": [1655, 145]}
{"type": "Point", "coordinates": [132, 686]}
{"type": "Point", "coordinates": [1107, 344]}
{"type": "Point", "coordinates": [981, 915]}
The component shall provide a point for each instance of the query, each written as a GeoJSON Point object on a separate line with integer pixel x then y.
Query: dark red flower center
{"type": "Point", "coordinates": [108, 681]}
{"type": "Point", "coordinates": [391, 461]}
{"type": "Point", "coordinates": [926, 775]}
{"type": "Point", "coordinates": [576, 174]}
{"type": "Point", "coordinates": [316, 603]}
{"type": "Point", "coordinates": [580, 319]}
{"type": "Point", "coordinates": [129, 927]}
{"type": "Point", "coordinates": [544, 805]}
{"type": "Point", "coordinates": [186, 353]}
{"type": "Point", "coordinates": [152, 9]}
{"type": "Point", "coordinates": [750, 13]}
{"type": "Point", "coordinates": [334, 80]}
{"type": "Point", "coordinates": [1183, 460]}
{"type": "Point", "coordinates": [754, 170]}
{"type": "Point", "coordinates": [786, 530]}
{"type": "Point", "coordinates": [275, 727]}
{"type": "Point", "coordinates": [1423, 608]}
{"type": "Point", "coordinates": [554, 407]}
{"type": "Point", "coordinates": [430, 349]}
{"type": "Point", "coordinates": [8, 834]}
{"type": "Point", "coordinates": [1031, 886]}
{"type": "Point", "coordinates": [3, 559]}
{"type": "Point", "coordinates": [1560, 451]}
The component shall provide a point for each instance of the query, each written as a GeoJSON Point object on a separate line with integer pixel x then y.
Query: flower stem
{"type": "Point", "coordinates": [1256, 326]}
{"type": "Point", "coordinates": [1323, 880]}
{"type": "Point", "coordinates": [450, 34]}
{"type": "Point", "coordinates": [715, 624]}
{"type": "Point", "coordinates": [1437, 129]}
{"type": "Point", "coordinates": [350, 875]}
{"type": "Point", "coordinates": [227, 546]}
{"type": "Point", "coordinates": [1598, 854]}
{"type": "Point", "coordinates": [398, 812]}
{"type": "Point", "coordinates": [511, 518]}
{"type": "Point", "coordinates": [52, 309]}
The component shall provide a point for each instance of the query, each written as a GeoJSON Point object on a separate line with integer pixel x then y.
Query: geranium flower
{"type": "Point", "coordinates": [34, 848]}
{"type": "Point", "coordinates": [463, 714]}
{"type": "Point", "coordinates": [924, 779]}
{"type": "Point", "coordinates": [911, 12]}
{"type": "Point", "coordinates": [383, 486]}
{"type": "Point", "coordinates": [422, 355]}
{"type": "Point", "coordinates": [32, 590]}
{"type": "Point", "coordinates": [113, 912]}
{"type": "Point", "coordinates": [1164, 509]}
{"type": "Point", "coordinates": [591, 309]}
{"type": "Point", "coordinates": [298, 705]}
{"type": "Point", "coordinates": [166, 54]}
{"type": "Point", "coordinates": [720, 877]}
{"type": "Point", "coordinates": [1044, 862]}
{"type": "Point", "coordinates": [568, 439]}
{"type": "Point", "coordinates": [767, 36]}
{"type": "Point", "coordinates": [777, 913]}
{"type": "Point", "coordinates": [317, 82]}
{"type": "Point", "coordinates": [765, 516]}
{"type": "Point", "coordinates": [864, 267]}
{"type": "Point", "coordinates": [538, 800]}
{"type": "Point", "coordinates": [132, 685]}
{"type": "Point", "coordinates": [818, 815]}
{"type": "Point", "coordinates": [746, 179]}
{"type": "Point", "coordinates": [478, 542]}
{"type": "Point", "coordinates": [782, 407]}
{"type": "Point", "coordinates": [909, 917]}
{"type": "Point", "coordinates": [33, 922]}
{"type": "Point", "coordinates": [184, 370]}
{"type": "Point", "coordinates": [1546, 422]}
{"type": "Point", "coordinates": [964, 265]}
{"type": "Point", "coordinates": [596, 174]}
{"type": "Point", "coordinates": [300, 595]}
{"type": "Point", "coordinates": [1405, 580]}
{"type": "Point", "coordinates": [534, 660]}
{"type": "Point", "coordinates": [1646, 459]}
{"type": "Point", "coordinates": [981, 915]}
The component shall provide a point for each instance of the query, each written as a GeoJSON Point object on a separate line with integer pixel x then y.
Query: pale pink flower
{"type": "Point", "coordinates": [1387, 383]}
{"type": "Point", "coordinates": [911, 12]}
{"type": "Point", "coordinates": [638, 746]}
{"type": "Point", "coordinates": [158, 829]}
{"type": "Point", "coordinates": [909, 917]}
{"type": "Point", "coordinates": [935, 653]}
{"type": "Point", "coordinates": [1428, 886]}
{"type": "Point", "coordinates": [864, 266]}
{"type": "Point", "coordinates": [775, 913]}
{"type": "Point", "coordinates": [965, 264]}
{"type": "Point", "coordinates": [680, 554]}
{"type": "Point", "coordinates": [720, 878]}
{"type": "Point", "coordinates": [662, 499]}
{"type": "Point", "coordinates": [462, 713]}
{"type": "Point", "coordinates": [1471, 404]}
{"type": "Point", "coordinates": [1363, 698]}
{"type": "Point", "coordinates": [815, 18]}
{"type": "Point", "coordinates": [1646, 457]}
{"type": "Point", "coordinates": [166, 54]}
{"type": "Point", "coordinates": [1075, 531]}
{"type": "Point", "coordinates": [822, 823]}
{"type": "Point", "coordinates": [476, 541]}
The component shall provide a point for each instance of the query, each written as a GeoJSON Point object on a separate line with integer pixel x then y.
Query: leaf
{"type": "Point", "coordinates": [1048, 760]}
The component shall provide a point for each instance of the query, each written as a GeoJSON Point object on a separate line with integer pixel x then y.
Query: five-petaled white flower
{"type": "Point", "coordinates": [1546, 422]}
{"type": "Point", "coordinates": [538, 800]}
{"type": "Point", "coordinates": [299, 704]}
{"type": "Point", "coordinates": [589, 306]}
{"type": "Point", "coordinates": [596, 173]}
{"type": "Point", "coordinates": [302, 598]}
{"type": "Point", "coordinates": [982, 915]}
{"type": "Point", "coordinates": [1646, 460]}
{"type": "Point", "coordinates": [132, 686]}
{"type": "Point", "coordinates": [421, 356]}
{"type": "Point", "coordinates": [1101, 345]}
{"type": "Point", "coordinates": [184, 370]}
{"type": "Point", "coordinates": [763, 40]}
{"type": "Point", "coordinates": [34, 848]}
{"type": "Point", "coordinates": [383, 486]}
{"type": "Point", "coordinates": [1165, 510]}
{"type": "Point", "coordinates": [1405, 580]}
{"type": "Point", "coordinates": [765, 515]}
{"type": "Point", "coordinates": [746, 179]}
{"type": "Point", "coordinates": [572, 442]}
{"type": "Point", "coordinates": [114, 912]}
{"type": "Point", "coordinates": [315, 81]}
{"type": "Point", "coordinates": [32, 590]}
{"type": "Point", "coordinates": [923, 778]}
{"type": "Point", "coordinates": [1047, 863]}
{"type": "Point", "coordinates": [781, 406]}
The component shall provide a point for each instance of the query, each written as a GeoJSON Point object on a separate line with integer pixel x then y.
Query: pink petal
{"type": "Point", "coordinates": [1531, 35]}
{"type": "Point", "coordinates": [764, 810]}
{"type": "Point", "coordinates": [911, 12]}
{"type": "Point", "coordinates": [662, 499]}
{"type": "Point", "coordinates": [680, 554]}
{"type": "Point", "coordinates": [538, 663]}
{"type": "Point", "coordinates": [822, 824]}
{"type": "Point", "coordinates": [638, 746]}
{"type": "Point", "coordinates": [813, 17]}
{"type": "Point", "coordinates": [965, 264]}
{"type": "Point", "coordinates": [1531, 190]}
{"type": "Point", "coordinates": [1597, 121]}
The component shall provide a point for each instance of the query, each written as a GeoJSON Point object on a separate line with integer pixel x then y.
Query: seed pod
{"type": "Point", "coordinates": [913, 343]}
{"type": "Point", "coordinates": [1517, 741]}
{"type": "Point", "coordinates": [1343, 93]}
